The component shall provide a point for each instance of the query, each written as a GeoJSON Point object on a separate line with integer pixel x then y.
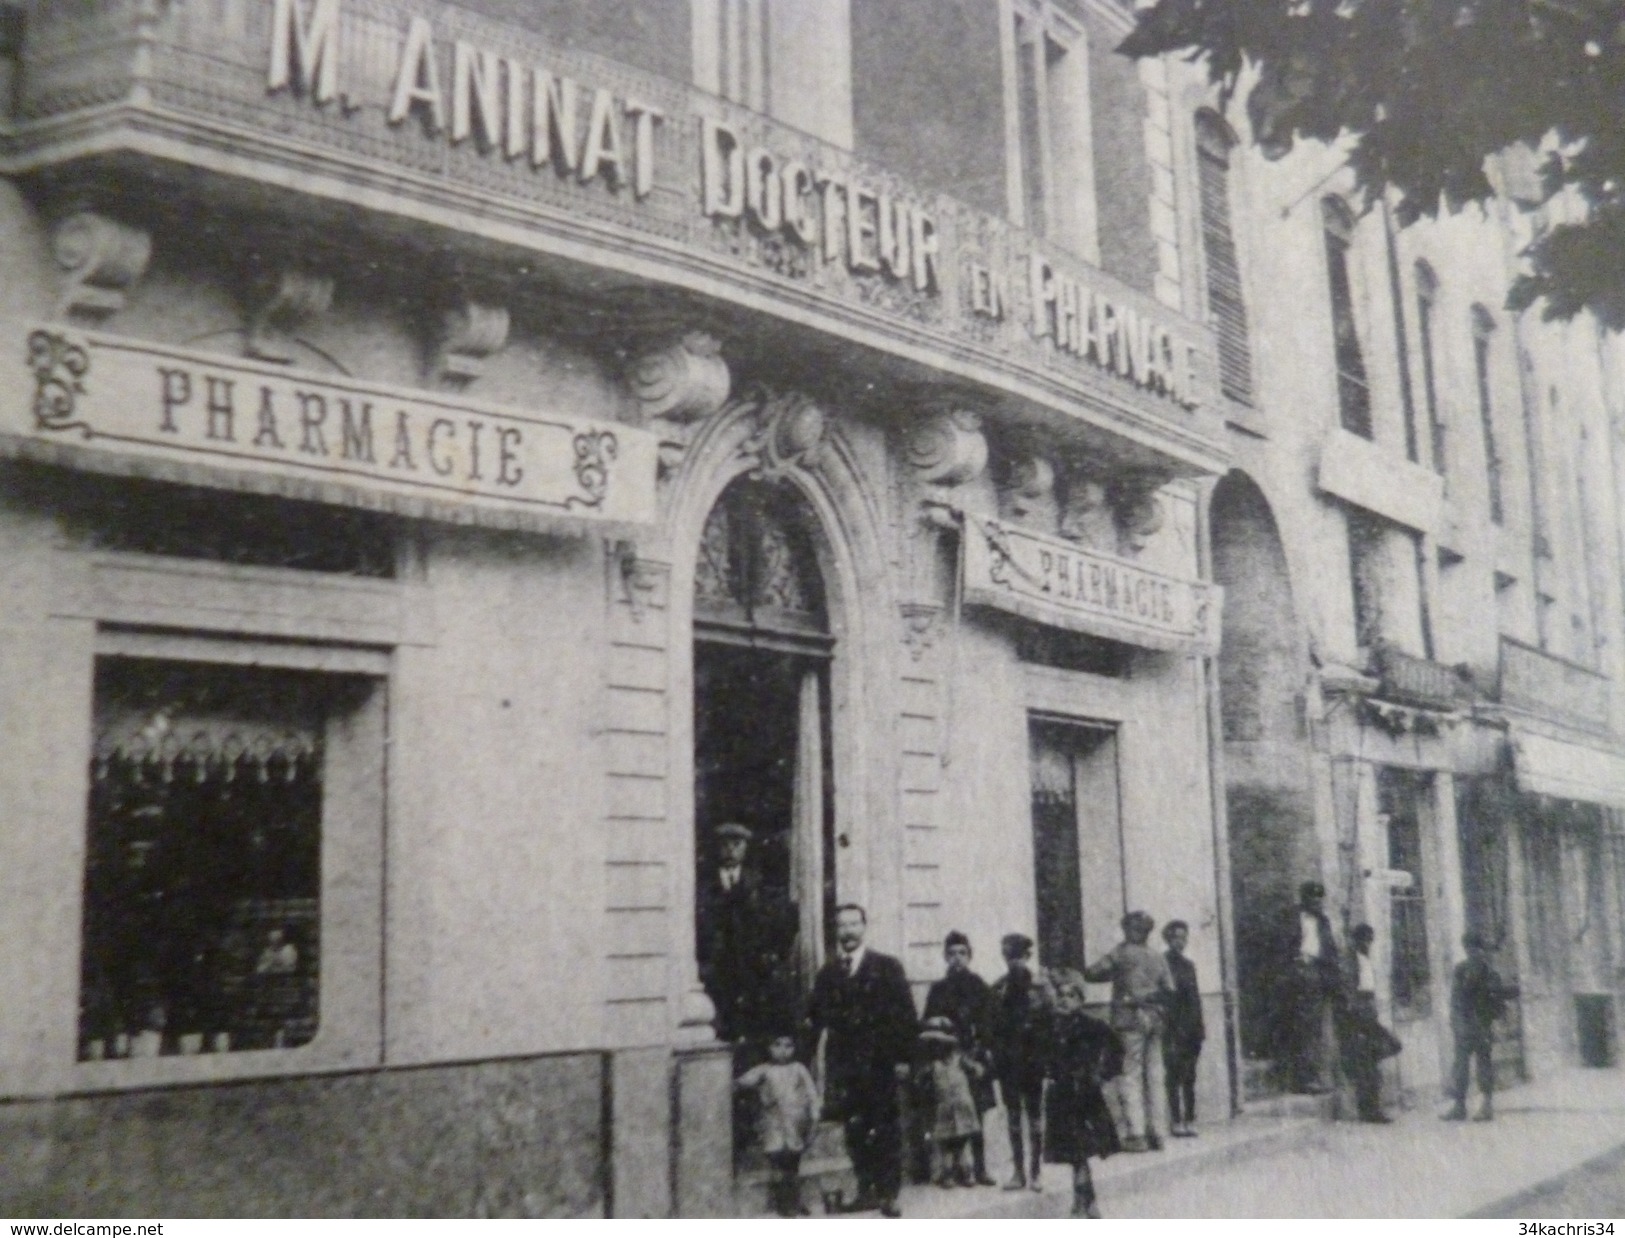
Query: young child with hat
{"type": "Point", "coordinates": [953, 1108]}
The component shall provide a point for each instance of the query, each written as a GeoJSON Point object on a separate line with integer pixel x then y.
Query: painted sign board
{"type": "Point", "coordinates": [134, 398]}
{"type": "Point", "coordinates": [1064, 585]}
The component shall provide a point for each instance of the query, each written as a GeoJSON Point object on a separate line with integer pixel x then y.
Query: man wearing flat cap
{"type": "Point", "coordinates": [1142, 987]}
{"type": "Point", "coordinates": [739, 944]}
{"type": "Point", "coordinates": [1308, 976]}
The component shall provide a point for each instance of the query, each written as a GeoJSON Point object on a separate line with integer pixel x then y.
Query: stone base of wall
{"type": "Point", "coordinates": [523, 1138]}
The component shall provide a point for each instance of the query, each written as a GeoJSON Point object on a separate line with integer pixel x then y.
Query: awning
{"type": "Point", "coordinates": [1570, 771]}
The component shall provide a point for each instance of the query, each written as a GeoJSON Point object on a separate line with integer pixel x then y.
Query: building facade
{"type": "Point", "coordinates": [1419, 543]}
{"type": "Point", "coordinates": [458, 456]}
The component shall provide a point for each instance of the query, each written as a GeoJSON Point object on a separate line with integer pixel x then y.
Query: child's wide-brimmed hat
{"type": "Point", "coordinates": [938, 1031]}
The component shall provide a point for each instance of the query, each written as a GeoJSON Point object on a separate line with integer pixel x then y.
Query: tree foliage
{"type": "Point", "coordinates": [1426, 91]}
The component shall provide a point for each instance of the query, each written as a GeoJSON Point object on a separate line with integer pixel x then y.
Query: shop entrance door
{"type": "Point", "coordinates": [1077, 839]}
{"type": "Point", "coordinates": [762, 656]}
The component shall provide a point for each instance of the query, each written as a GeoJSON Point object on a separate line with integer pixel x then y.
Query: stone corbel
{"type": "Point", "coordinates": [676, 386]}
{"type": "Point", "coordinates": [102, 258]}
{"type": "Point", "coordinates": [1138, 510]}
{"type": "Point", "coordinates": [470, 333]}
{"type": "Point", "coordinates": [1086, 515]}
{"type": "Point", "coordinates": [921, 625]}
{"type": "Point", "coordinates": [946, 448]}
{"type": "Point", "coordinates": [282, 302]}
{"type": "Point", "coordinates": [684, 381]}
{"type": "Point", "coordinates": [641, 580]}
{"type": "Point", "coordinates": [1029, 490]}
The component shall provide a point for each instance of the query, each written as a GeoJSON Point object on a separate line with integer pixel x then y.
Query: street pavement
{"type": "Point", "coordinates": [1594, 1191]}
{"type": "Point", "coordinates": [1552, 1145]}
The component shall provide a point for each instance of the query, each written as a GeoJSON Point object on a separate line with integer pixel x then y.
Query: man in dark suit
{"type": "Point", "coordinates": [739, 943]}
{"type": "Point", "coordinates": [1478, 997]}
{"type": "Point", "coordinates": [1308, 979]}
{"type": "Point", "coordinates": [1183, 1031]}
{"type": "Point", "coordinates": [861, 1002]}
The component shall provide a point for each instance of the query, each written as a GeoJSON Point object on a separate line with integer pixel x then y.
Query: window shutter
{"type": "Point", "coordinates": [1226, 307]}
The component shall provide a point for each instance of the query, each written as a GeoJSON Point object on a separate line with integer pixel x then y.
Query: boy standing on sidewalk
{"type": "Point", "coordinates": [1141, 990]}
{"type": "Point", "coordinates": [1023, 1008]}
{"type": "Point", "coordinates": [1477, 998]}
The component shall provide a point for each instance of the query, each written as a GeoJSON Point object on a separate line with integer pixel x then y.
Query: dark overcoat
{"type": "Point", "coordinates": [870, 1023]}
{"type": "Point", "coordinates": [1183, 1029]}
{"type": "Point", "coordinates": [1084, 1053]}
{"type": "Point", "coordinates": [740, 950]}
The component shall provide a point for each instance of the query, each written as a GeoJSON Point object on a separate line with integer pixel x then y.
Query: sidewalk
{"type": "Point", "coordinates": [1261, 1166]}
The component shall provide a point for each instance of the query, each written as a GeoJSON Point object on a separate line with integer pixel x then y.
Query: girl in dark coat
{"type": "Point", "coordinates": [1084, 1053]}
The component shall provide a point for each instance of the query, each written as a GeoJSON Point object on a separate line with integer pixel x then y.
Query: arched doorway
{"type": "Point", "coordinates": [1267, 788]}
{"type": "Point", "coordinates": [763, 651]}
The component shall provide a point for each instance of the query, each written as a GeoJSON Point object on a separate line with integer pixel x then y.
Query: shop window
{"type": "Point", "coordinates": [1427, 300]}
{"type": "Point", "coordinates": [1077, 839]}
{"type": "Point", "coordinates": [1226, 309]}
{"type": "Point", "coordinates": [1353, 387]}
{"type": "Point", "coordinates": [248, 529]}
{"type": "Point", "coordinates": [1404, 799]}
{"type": "Point", "coordinates": [1056, 156]}
{"type": "Point", "coordinates": [1483, 341]}
{"type": "Point", "coordinates": [211, 795]}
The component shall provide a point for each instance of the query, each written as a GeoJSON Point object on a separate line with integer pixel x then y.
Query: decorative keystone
{"type": "Point", "coordinates": [103, 259]}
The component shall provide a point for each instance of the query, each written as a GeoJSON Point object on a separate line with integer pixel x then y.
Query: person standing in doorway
{"type": "Point", "coordinates": [731, 934]}
{"type": "Point", "coordinates": [1141, 990]}
{"type": "Point", "coordinates": [1477, 999]}
{"type": "Point", "coordinates": [1307, 981]}
{"type": "Point", "coordinates": [861, 1003]}
{"type": "Point", "coordinates": [1023, 1006]}
{"type": "Point", "coordinates": [965, 1000]}
{"type": "Point", "coordinates": [1183, 1033]}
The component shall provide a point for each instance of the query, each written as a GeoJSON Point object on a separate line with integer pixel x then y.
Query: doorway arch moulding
{"type": "Point", "coordinates": [785, 437]}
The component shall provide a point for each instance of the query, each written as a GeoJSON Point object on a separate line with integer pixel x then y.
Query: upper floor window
{"type": "Point", "coordinates": [788, 58]}
{"type": "Point", "coordinates": [1054, 193]}
{"type": "Point", "coordinates": [1483, 341]}
{"type": "Point", "coordinates": [1226, 308]}
{"type": "Point", "coordinates": [1427, 299]}
{"type": "Point", "coordinates": [1353, 387]}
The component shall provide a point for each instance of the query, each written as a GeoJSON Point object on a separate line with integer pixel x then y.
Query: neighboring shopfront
{"type": "Point", "coordinates": [1540, 833]}
{"type": "Point", "coordinates": [436, 495]}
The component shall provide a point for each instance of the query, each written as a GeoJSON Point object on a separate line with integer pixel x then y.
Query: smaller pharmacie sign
{"type": "Point", "coordinates": [1066, 586]}
{"type": "Point", "coordinates": [181, 406]}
